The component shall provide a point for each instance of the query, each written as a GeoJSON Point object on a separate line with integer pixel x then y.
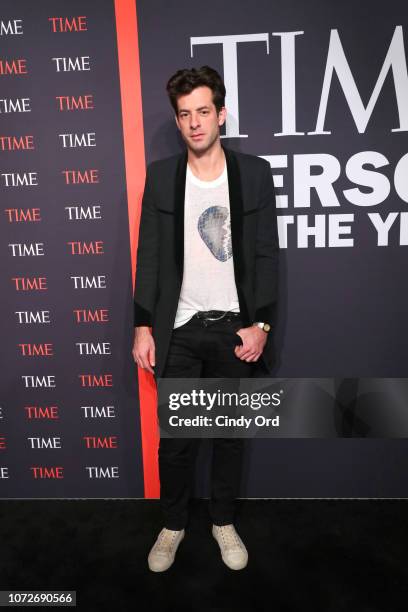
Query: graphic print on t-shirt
{"type": "Point", "coordinates": [215, 230]}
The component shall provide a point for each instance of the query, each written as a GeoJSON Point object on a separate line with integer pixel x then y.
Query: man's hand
{"type": "Point", "coordinates": [143, 349]}
{"type": "Point", "coordinates": [254, 340]}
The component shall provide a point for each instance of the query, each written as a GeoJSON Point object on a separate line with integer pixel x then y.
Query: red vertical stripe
{"type": "Point", "coordinates": [132, 117]}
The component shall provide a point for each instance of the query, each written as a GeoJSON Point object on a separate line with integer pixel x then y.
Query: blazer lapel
{"type": "Point", "coordinates": [179, 193]}
{"type": "Point", "coordinates": [236, 210]}
{"type": "Point", "coordinates": [236, 216]}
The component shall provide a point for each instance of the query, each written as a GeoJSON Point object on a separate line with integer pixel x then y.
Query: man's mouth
{"type": "Point", "coordinates": [197, 136]}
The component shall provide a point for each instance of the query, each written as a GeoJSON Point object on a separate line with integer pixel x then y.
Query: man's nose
{"type": "Point", "coordinates": [194, 121]}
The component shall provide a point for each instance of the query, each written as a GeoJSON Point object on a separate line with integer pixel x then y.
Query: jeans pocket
{"type": "Point", "coordinates": [235, 326]}
{"type": "Point", "coordinates": [238, 340]}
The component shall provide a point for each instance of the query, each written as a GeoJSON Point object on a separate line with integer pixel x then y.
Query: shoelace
{"type": "Point", "coordinates": [229, 537]}
{"type": "Point", "coordinates": [166, 540]}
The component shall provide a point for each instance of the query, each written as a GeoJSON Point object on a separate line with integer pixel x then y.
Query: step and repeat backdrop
{"type": "Point", "coordinates": [69, 423]}
{"type": "Point", "coordinates": [322, 94]}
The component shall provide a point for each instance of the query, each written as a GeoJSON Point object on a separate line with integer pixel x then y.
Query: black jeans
{"type": "Point", "coordinates": [202, 349]}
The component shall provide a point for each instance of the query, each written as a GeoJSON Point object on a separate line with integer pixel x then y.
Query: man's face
{"type": "Point", "coordinates": [197, 119]}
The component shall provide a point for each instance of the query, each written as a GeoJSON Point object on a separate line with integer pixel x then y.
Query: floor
{"type": "Point", "coordinates": [329, 555]}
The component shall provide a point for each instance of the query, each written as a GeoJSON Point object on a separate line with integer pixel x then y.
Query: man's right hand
{"type": "Point", "coordinates": [143, 349]}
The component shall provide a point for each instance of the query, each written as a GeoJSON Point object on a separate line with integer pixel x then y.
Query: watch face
{"type": "Point", "coordinates": [267, 327]}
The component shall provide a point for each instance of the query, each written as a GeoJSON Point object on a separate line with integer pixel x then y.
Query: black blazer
{"type": "Point", "coordinates": [160, 253]}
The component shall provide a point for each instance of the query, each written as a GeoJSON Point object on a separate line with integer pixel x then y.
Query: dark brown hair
{"type": "Point", "coordinates": [184, 81]}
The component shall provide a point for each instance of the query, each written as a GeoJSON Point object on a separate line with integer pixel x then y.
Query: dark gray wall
{"type": "Point", "coordinates": [343, 310]}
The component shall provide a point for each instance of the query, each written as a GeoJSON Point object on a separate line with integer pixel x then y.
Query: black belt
{"type": "Point", "coordinates": [215, 315]}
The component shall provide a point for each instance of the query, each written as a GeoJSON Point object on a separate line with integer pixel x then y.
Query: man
{"type": "Point", "coordinates": [205, 292]}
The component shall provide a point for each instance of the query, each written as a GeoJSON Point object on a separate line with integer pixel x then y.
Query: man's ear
{"type": "Point", "coordinates": [222, 116]}
{"type": "Point", "coordinates": [177, 121]}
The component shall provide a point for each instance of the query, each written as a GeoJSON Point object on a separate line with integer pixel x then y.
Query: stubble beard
{"type": "Point", "coordinates": [204, 148]}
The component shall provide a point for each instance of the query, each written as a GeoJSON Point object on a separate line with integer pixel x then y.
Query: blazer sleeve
{"type": "Point", "coordinates": [147, 259]}
{"type": "Point", "coordinates": [266, 253]}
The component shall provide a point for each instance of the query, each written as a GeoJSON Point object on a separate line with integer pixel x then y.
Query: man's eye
{"type": "Point", "coordinates": [204, 112]}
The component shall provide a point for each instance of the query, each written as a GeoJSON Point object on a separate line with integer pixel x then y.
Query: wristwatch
{"type": "Point", "coordinates": [265, 326]}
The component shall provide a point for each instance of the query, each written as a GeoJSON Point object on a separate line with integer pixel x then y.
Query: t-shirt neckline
{"type": "Point", "coordinates": [207, 184]}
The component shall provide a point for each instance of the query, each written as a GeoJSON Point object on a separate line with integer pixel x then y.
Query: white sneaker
{"type": "Point", "coordinates": [164, 549]}
{"type": "Point", "coordinates": [233, 551]}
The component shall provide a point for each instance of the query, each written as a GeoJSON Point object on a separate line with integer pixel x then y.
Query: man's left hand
{"type": "Point", "coordinates": [254, 340]}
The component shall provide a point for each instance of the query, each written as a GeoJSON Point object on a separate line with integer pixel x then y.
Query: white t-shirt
{"type": "Point", "coordinates": [208, 277]}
